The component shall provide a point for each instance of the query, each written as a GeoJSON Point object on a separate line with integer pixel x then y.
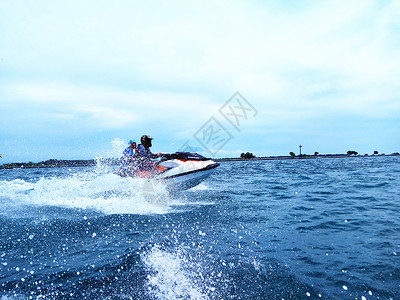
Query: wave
{"type": "Point", "coordinates": [105, 193]}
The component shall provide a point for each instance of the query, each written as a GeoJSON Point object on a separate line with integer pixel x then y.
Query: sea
{"type": "Point", "coordinates": [325, 228]}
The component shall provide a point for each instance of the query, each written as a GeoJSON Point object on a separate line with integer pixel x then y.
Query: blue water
{"type": "Point", "coordinates": [290, 229]}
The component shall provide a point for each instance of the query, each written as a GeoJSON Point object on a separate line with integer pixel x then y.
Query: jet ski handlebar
{"type": "Point", "coordinates": [183, 155]}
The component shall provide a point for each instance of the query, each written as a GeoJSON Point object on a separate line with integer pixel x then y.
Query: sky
{"type": "Point", "coordinates": [79, 79]}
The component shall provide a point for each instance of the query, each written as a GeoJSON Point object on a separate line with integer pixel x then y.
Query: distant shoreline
{"type": "Point", "coordinates": [55, 163]}
{"type": "Point", "coordinates": [51, 163]}
{"type": "Point", "coordinates": [304, 157]}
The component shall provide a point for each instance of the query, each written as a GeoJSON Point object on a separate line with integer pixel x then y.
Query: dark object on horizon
{"type": "Point", "coordinates": [292, 154]}
{"type": "Point", "coordinates": [300, 149]}
{"type": "Point", "coordinates": [376, 152]}
{"type": "Point", "coordinates": [316, 153]}
{"type": "Point", "coordinates": [247, 155]}
{"type": "Point", "coordinates": [51, 163]}
{"type": "Point", "coordinates": [351, 152]}
{"type": "Point", "coordinates": [185, 156]}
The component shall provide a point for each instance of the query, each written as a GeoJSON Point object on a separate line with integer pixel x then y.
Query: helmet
{"type": "Point", "coordinates": [131, 142]}
{"type": "Point", "coordinates": [146, 141]}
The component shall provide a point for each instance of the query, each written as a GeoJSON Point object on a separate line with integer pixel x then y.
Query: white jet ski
{"type": "Point", "coordinates": [184, 170]}
{"type": "Point", "coordinates": [179, 170]}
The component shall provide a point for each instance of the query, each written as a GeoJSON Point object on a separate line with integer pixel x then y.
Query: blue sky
{"type": "Point", "coordinates": [78, 79]}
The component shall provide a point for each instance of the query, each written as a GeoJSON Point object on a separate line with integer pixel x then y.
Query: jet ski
{"type": "Point", "coordinates": [179, 170]}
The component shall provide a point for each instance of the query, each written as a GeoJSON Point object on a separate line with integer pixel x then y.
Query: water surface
{"type": "Point", "coordinates": [290, 229]}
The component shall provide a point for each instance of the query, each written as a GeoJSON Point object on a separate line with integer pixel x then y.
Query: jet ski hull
{"type": "Point", "coordinates": [187, 180]}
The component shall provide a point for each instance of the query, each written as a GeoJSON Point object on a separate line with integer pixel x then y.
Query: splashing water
{"type": "Point", "coordinates": [172, 275]}
{"type": "Point", "coordinates": [97, 190]}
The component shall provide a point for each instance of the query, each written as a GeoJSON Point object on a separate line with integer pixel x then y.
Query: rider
{"type": "Point", "coordinates": [131, 150]}
{"type": "Point", "coordinates": [128, 159]}
{"type": "Point", "coordinates": [144, 147]}
{"type": "Point", "coordinates": [145, 154]}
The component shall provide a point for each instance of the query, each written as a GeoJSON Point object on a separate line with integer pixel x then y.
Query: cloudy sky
{"type": "Point", "coordinates": [78, 79]}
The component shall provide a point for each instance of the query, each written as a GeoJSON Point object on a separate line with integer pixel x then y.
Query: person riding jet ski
{"type": "Point", "coordinates": [128, 160]}
{"type": "Point", "coordinates": [145, 155]}
{"type": "Point", "coordinates": [144, 147]}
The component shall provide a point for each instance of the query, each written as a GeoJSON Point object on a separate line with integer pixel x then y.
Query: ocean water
{"type": "Point", "coordinates": [290, 229]}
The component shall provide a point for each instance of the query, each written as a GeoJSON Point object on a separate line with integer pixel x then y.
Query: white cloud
{"type": "Point", "coordinates": [111, 107]}
{"type": "Point", "coordinates": [225, 46]}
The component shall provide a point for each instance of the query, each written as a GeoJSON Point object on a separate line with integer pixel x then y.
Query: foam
{"type": "Point", "coordinates": [201, 187]}
{"type": "Point", "coordinates": [9, 188]}
{"type": "Point", "coordinates": [170, 275]}
{"type": "Point", "coordinates": [105, 192]}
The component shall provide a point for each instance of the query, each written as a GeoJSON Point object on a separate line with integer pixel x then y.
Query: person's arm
{"type": "Point", "coordinates": [151, 155]}
{"type": "Point", "coordinates": [146, 153]}
{"type": "Point", "coordinates": [142, 151]}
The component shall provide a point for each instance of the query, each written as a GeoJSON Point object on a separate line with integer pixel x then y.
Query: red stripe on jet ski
{"type": "Point", "coordinates": [185, 160]}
